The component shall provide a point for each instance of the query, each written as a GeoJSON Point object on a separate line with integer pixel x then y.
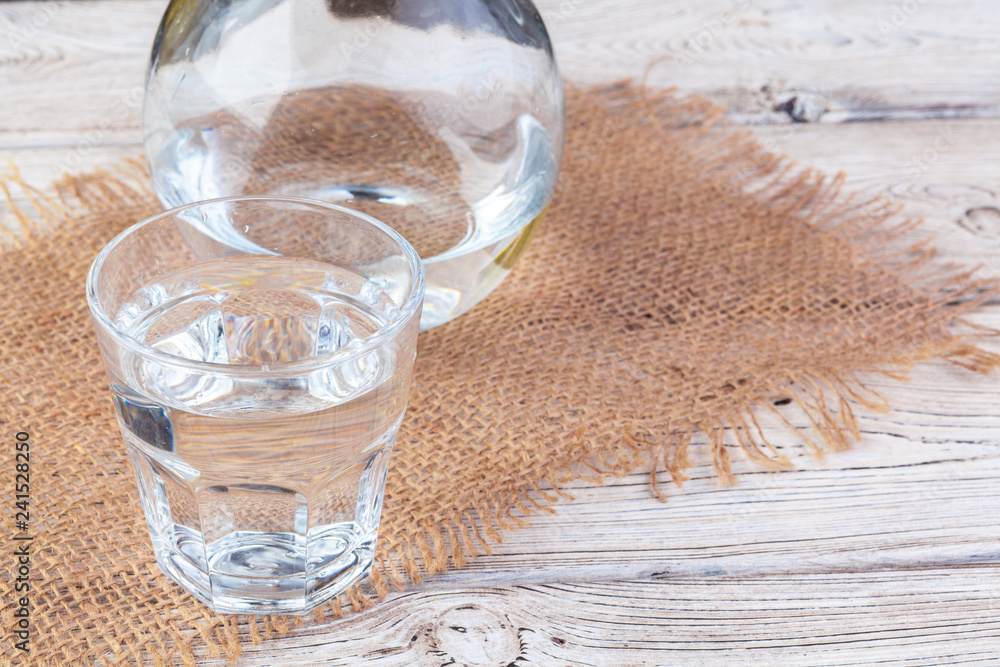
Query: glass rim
{"type": "Point", "coordinates": [414, 299]}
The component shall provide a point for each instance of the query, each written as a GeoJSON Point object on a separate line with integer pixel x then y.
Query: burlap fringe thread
{"type": "Point", "coordinates": [825, 398]}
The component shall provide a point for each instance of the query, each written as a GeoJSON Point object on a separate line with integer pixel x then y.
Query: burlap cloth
{"type": "Point", "coordinates": [683, 278]}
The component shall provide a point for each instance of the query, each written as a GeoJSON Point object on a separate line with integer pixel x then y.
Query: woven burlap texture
{"type": "Point", "coordinates": [682, 277]}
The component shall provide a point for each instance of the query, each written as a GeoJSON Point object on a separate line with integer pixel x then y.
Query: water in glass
{"type": "Point", "coordinates": [261, 485]}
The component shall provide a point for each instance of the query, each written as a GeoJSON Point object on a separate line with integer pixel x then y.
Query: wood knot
{"type": "Point", "coordinates": [983, 221]}
{"type": "Point", "coordinates": [804, 107]}
{"type": "Point", "coordinates": [473, 636]}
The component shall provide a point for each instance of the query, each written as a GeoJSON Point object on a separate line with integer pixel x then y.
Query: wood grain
{"type": "Point", "coordinates": [884, 554]}
{"type": "Point", "coordinates": [73, 66]}
{"type": "Point", "coordinates": [849, 59]}
{"type": "Point", "coordinates": [67, 67]}
{"type": "Point", "coordinates": [890, 617]}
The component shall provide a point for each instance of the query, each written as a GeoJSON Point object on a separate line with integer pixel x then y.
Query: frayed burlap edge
{"type": "Point", "coordinates": [873, 229]}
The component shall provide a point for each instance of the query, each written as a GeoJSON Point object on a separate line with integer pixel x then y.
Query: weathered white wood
{"type": "Point", "coordinates": [856, 59]}
{"type": "Point", "coordinates": [79, 66]}
{"type": "Point", "coordinates": [890, 617]}
{"type": "Point", "coordinates": [887, 553]}
{"type": "Point", "coordinates": [73, 66]}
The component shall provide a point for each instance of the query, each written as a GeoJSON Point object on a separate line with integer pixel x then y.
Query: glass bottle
{"type": "Point", "coordinates": [442, 118]}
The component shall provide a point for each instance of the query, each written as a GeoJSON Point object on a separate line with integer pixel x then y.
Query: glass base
{"type": "Point", "coordinates": [251, 573]}
{"type": "Point", "coordinates": [208, 542]}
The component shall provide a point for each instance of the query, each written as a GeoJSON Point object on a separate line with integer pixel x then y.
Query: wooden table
{"type": "Point", "coordinates": [888, 553]}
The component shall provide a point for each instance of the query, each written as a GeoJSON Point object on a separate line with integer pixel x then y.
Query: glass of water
{"type": "Point", "coordinates": [260, 353]}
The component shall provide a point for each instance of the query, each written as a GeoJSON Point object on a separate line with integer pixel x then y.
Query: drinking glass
{"type": "Point", "coordinates": [259, 352]}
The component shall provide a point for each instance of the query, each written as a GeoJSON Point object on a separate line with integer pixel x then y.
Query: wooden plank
{"type": "Point", "coordinates": [73, 66]}
{"type": "Point", "coordinates": [909, 617]}
{"type": "Point", "coordinates": [67, 66]}
{"type": "Point", "coordinates": [842, 59]}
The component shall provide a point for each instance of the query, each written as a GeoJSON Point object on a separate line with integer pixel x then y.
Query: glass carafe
{"type": "Point", "coordinates": [442, 118]}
